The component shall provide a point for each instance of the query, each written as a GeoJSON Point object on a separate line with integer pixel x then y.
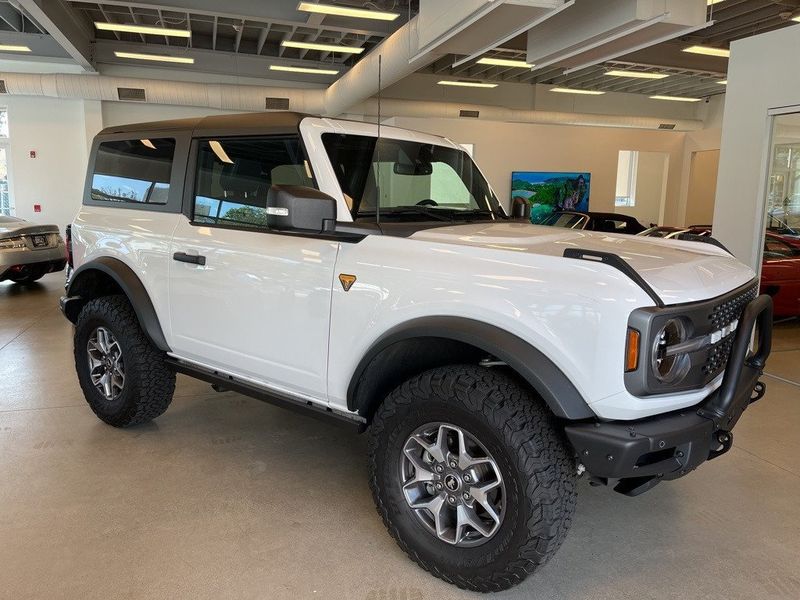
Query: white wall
{"type": "Point", "coordinates": [501, 148]}
{"type": "Point", "coordinates": [702, 187]}
{"type": "Point", "coordinates": [55, 130]}
{"type": "Point", "coordinates": [762, 75]}
{"type": "Point", "coordinates": [652, 175]}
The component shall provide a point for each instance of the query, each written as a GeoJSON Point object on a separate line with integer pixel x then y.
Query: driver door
{"type": "Point", "coordinates": [243, 299]}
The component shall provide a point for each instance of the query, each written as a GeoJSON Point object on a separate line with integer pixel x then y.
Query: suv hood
{"type": "Point", "coordinates": [677, 271]}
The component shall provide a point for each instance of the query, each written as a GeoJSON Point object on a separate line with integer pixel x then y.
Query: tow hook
{"type": "Point", "coordinates": [725, 441]}
{"type": "Point", "coordinates": [758, 392]}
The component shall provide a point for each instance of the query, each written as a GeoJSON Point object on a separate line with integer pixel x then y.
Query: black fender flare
{"type": "Point", "coordinates": [541, 373]}
{"type": "Point", "coordinates": [131, 286]}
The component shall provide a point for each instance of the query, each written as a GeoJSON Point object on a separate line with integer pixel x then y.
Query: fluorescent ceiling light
{"type": "Point", "coordinates": [346, 11]}
{"type": "Point", "coordinates": [675, 98]}
{"type": "Point", "coordinates": [797, 18]}
{"type": "Point", "coordinates": [217, 148]}
{"type": "Point", "coordinates": [148, 143]}
{"type": "Point", "coordinates": [708, 51]}
{"type": "Point", "coordinates": [637, 74]}
{"type": "Point", "coordinates": [322, 47]}
{"type": "Point", "coordinates": [711, 2]}
{"type": "Point", "coordinates": [184, 60]}
{"type": "Point", "coordinates": [505, 62]}
{"type": "Point", "coordinates": [308, 70]}
{"type": "Point", "coordinates": [723, 82]}
{"type": "Point", "coordinates": [561, 90]}
{"type": "Point", "coordinates": [13, 48]}
{"type": "Point", "coordinates": [475, 84]}
{"type": "Point", "coordinates": [183, 33]}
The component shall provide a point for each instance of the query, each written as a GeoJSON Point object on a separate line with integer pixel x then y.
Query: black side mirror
{"type": "Point", "coordinates": [299, 208]}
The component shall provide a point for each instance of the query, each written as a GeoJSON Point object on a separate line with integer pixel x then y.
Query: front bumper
{"type": "Point", "coordinates": [639, 454]}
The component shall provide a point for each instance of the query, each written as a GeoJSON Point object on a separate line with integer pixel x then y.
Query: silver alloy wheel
{"type": "Point", "coordinates": [106, 367]}
{"type": "Point", "coordinates": [452, 484]}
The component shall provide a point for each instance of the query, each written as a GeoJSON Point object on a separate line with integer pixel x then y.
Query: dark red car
{"type": "Point", "coordinates": [780, 274]}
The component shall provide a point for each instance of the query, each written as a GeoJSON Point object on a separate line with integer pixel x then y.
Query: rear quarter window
{"type": "Point", "coordinates": [133, 171]}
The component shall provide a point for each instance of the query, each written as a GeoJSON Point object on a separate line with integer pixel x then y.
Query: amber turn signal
{"type": "Point", "coordinates": [632, 351]}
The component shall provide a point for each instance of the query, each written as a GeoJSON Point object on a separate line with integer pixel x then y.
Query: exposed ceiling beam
{"type": "Point", "coordinates": [11, 16]}
{"type": "Point", "coordinates": [63, 24]}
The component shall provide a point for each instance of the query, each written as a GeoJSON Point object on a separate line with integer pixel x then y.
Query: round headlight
{"type": "Point", "coordinates": [668, 367]}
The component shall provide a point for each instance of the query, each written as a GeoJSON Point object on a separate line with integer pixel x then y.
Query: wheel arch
{"type": "Point", "coordinates": [431, 342]}
{"type": "Point", "coordinates": [106, 276]}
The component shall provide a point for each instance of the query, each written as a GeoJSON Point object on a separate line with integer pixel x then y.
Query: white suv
{"type": "Point", "coordinates": [377, 281]}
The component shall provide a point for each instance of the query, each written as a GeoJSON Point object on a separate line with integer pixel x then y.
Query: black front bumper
{"type": "Point", "coordinates": [639, 454]}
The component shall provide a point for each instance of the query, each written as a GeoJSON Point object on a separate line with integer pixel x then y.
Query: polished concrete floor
{"type": "Point", "coordinates": [226, 497]}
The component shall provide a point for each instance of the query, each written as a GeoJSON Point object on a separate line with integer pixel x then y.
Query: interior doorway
{"type": "Point", "coordinates": [702, 187]}
{"type": "Point", "coordinates": [642, 185]}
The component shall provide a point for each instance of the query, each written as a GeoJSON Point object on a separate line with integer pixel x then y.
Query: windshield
{"type": "Point", "coordinates": [404, 179]}
{"type": "Point", "coordinates": [568, 220]}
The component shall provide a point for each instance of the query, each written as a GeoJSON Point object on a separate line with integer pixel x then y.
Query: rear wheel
{"type": "Point", "coordinates": [471, 476]}
{"type": "Point", "coordinates": [123, 376]}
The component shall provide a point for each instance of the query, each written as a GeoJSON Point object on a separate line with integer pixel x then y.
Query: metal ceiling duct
{"type": "Point", "coordinates": [252, 98]}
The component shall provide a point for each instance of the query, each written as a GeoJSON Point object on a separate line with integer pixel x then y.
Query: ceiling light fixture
{"type": "Point", "coordinates": [723, 82]}
{"type": "Point", "coordinates": [708, 51]}
{"type": "Point", "coordinates": [475, 84]}
{"type": "Point", "coordinates": [561, 90]}
{"type": "Point", "coordinates": [505, 62]}
{"type": "Point", "coordinates": [797, 18]}
{"type": "Point", "coordinates": [676, 98]}
{"type": "Point", "coordinates": [307, 70]}
{"type": "Point", "coordinates": [637, 74]}
{"type": "Point", "coordinates": [13, 48]}
{"type": "Point", "coordinates": [321, 47]}
{"type": "Point", "coordinates": [182, 33]}
{"type": "Point", "coordinates": [184, 60]}
{"type": "Point", "coordinates": [346, 11]}
{"type": "Point", "coordinates": [712, 2]}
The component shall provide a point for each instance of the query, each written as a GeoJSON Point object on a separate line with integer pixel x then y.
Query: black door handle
{"type": "Point", "coordinates": [189, 258]}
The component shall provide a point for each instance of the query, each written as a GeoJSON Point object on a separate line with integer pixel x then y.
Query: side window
{"type": "Point", "coordinates": [133, 171]}
{"type": "Point", "coordinates": [234, 176]}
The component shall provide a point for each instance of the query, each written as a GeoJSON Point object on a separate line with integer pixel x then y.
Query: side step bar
{"type": "Point", "coordinates": [229, 383]}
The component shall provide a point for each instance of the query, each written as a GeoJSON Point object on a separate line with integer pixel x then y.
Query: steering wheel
{"type": "Point", "coordinates": [427, 202]}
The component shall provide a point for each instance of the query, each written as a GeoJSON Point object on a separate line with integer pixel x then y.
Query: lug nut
{"type": "Point", "coordinates": [465, 496]}
{"type": "Point", "coordinates": [453, 464]}
{"type": "Point", "coordinates": [451, 499]}
{"type": "Point", "coordinates": [439, 468]}
{"type": "Point", "coordinates": [439, 486]}
{"type": "Point", "coordinates": [467, 478]}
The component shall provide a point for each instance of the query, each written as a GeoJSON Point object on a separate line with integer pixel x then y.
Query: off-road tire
{"type": "Point", "coordinates": [537, 466]}
{"type": "Point", "coordinates": [149, 383]}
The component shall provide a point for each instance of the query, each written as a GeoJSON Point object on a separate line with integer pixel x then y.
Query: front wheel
{"type": "Point", "coordinates": [123, 376]}
{"type": "Point", "coordinates": [471, 476]}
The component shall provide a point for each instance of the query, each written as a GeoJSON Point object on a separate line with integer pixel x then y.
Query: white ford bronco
{"type": "Point", "coordinates": [376, 280]}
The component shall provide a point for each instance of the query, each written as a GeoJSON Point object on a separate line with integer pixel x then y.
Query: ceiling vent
{"type": "Point", "coordinates": [277, 103]}
{"type": "Point", "coordinates": [3, 89]}
{"type": "Point", "coordinates": [131, 94]}
{"type": "Point", "coordinates": [471, 114]}
{"type": "Point", "coordinates": [667, 126]}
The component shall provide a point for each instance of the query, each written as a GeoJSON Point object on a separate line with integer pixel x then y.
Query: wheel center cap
{"type": "Point", "coordinates": [451, 483]}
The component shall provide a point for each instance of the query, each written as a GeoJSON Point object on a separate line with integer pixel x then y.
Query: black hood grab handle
{"type": "Point", "coordinates": [616, 261]}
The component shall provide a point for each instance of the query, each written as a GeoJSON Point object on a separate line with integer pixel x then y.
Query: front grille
{"type": "Point", "coordinates": [722, 315]}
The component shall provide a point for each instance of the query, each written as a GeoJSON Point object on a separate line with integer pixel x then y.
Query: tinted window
{"type": "Point", "coordinates": [234, 177]}
{"type": "Point", "coordinates": [133, 171]}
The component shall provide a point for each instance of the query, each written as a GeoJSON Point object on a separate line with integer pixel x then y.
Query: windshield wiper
{"type": "Point", "coordinates": [480, 211]}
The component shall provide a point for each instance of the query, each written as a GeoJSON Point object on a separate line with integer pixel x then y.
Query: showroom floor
{"type": "Point", "coordinates": [227, 497]}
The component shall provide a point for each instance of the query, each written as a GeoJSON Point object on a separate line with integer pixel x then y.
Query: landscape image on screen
{"type": "Point", "coordinates": [547, 192]}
